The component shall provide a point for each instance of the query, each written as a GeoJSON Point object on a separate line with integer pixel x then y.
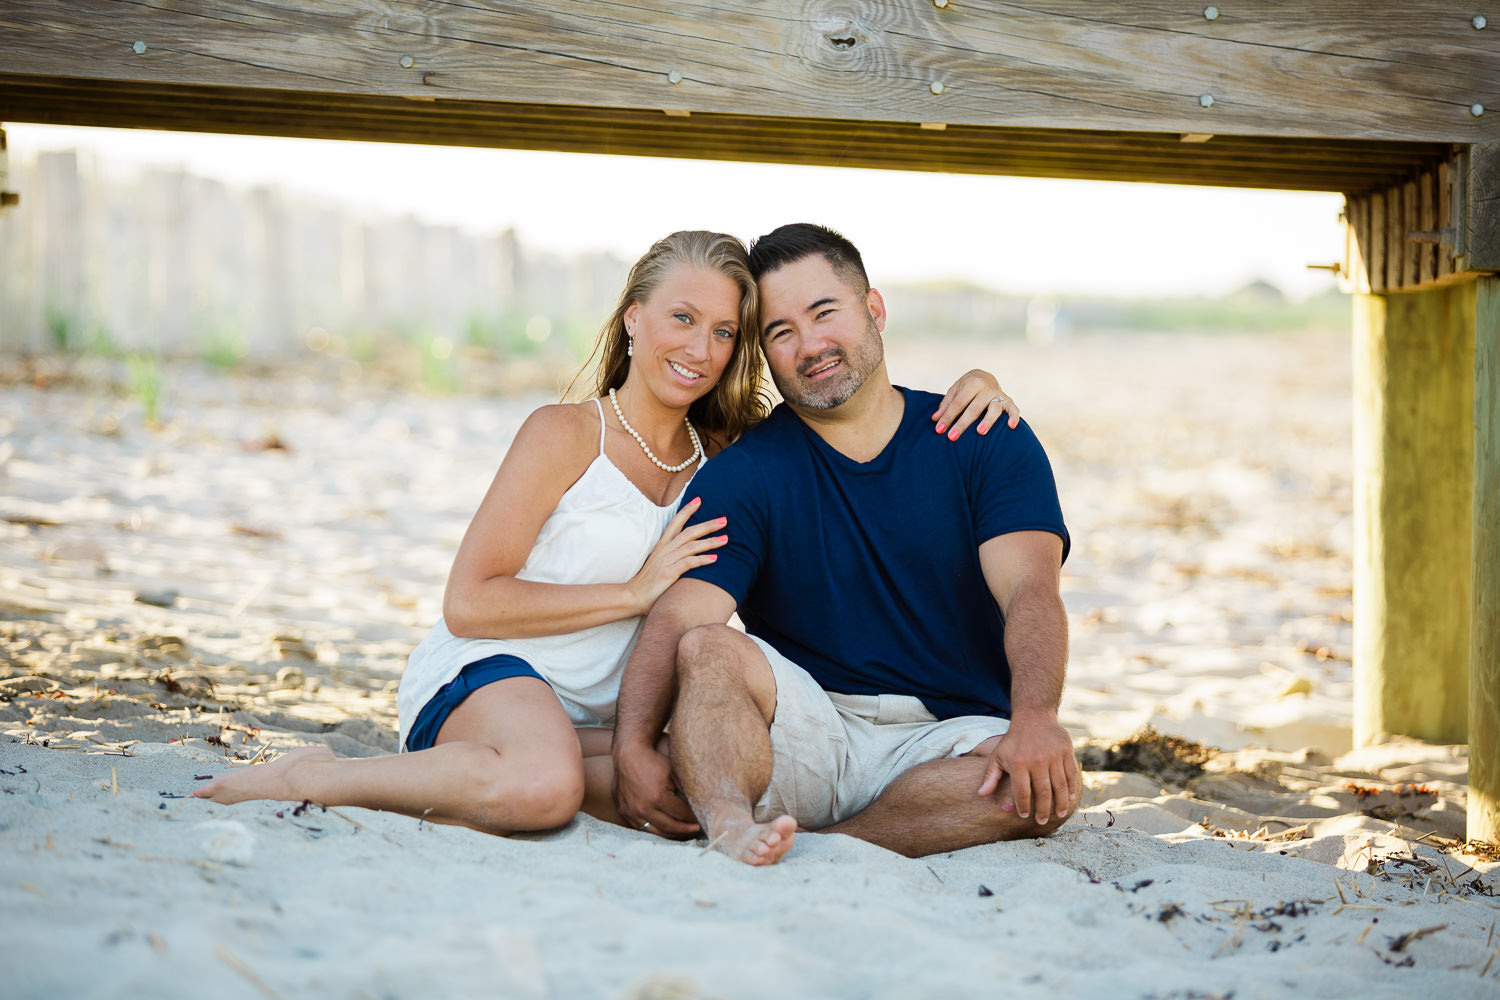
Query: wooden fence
{"type": "Point", "coordinates": [172, 262]}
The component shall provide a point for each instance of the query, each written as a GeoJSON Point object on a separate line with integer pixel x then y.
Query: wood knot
{"type": "Point", "coordinates": [842, 41]}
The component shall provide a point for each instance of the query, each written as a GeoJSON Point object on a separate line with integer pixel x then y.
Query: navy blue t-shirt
{"type": "Point", "coordinates": [866, 574]}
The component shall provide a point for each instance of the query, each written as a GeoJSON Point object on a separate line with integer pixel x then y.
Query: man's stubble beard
{"type": "Point", "coordinates": [868, 356]}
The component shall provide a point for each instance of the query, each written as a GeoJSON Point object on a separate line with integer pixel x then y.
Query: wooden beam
{"type": "Point", "coordinates": [1413, 445]}
{"type": "Point", "coordinates": [1395, 237]}
{"type": "Point", "coordinates": [1484, 617]}
{"type": "Point", "coordinates": [1409, 70]}
{"type": "Point", "coordinates": [1482, 208]}
{"type": "Point", "coordinates": [1349, 165]}
{"type": "Point", "coordinates": [1445, 215]}
{"type": "Point", "coordinates": [1441, 226]}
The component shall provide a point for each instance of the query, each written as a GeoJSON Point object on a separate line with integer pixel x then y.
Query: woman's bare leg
{"type": "Point", "coordinates": [599, 772]}
{"type": "Point", "coordinates": [506, 759]}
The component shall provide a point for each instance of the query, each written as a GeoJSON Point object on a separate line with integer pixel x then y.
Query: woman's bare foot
{"type": "Point", "coordinates": [273, 780]}
{"type": "Point", "coordinates": [755, 843]}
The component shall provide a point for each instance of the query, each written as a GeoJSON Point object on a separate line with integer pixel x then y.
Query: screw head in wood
{"type": "Point", "coordinates": [1206, 100]}
{"type": "Point", "coordinates": [407, 62]}
{"type": "Point", "coordinates": [674, 77]}
{"type": "Point", "coordinates": [1476, 109]}
{"type": "Point", "coordinates": [1479, 22]}
{"type": "Point", "coordinates": [940, 4]}
{"type": "Point", "coordinates": [140, 48]}
{"type": "Point", "coordinates": [1212, 13]}
{"type": "Point", "coordinates": [935, 87]}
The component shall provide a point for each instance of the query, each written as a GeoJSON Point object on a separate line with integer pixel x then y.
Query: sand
{"type": "Point", "coordinates": [250, 575]}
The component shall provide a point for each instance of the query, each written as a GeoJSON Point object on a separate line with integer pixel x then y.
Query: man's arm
{"type": "Point", "coordinates": [1022, 570]}
{"type": "Point", "coordinates": [643, 786]}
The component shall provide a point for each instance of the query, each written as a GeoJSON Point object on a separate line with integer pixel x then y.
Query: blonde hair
{"type": "Point", "coordinates": [739, 399]}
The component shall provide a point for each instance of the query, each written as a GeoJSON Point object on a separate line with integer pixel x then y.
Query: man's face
{"type": "Point", "coordinates": [820, 336]}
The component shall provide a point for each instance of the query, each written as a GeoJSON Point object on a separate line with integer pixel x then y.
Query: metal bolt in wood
{"type": "Point", "coordinates": [139, 48]}
{"type": "Point", "coordinates": [674, 77]}
{"type": "Point", "coordinates": [935, 87]}
{"type": "Point", "coordinates": [407, 62]}
{"type": "Point", "coordinates": [1206, 100]}
{"type": "Point", "coordinates": [1212, 13]}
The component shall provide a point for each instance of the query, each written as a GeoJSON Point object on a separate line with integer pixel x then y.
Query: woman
{"type": "Point", "coordinates": [504, 707]}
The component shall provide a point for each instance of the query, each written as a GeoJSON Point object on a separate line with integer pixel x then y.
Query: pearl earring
{"type": "Point", "coordinates": [629, 346]}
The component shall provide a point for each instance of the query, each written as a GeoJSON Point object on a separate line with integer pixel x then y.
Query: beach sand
{"type": "Point", "coordinates": [250, 575]}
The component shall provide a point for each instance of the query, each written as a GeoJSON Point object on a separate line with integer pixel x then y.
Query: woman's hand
{"type": "Point", "coordinates": [975, 395]}
{"type": "Point", "coordinates": [679, 550]}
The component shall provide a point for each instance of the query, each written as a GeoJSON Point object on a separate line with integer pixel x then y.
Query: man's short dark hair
{"type": "Point", "coordinates": [791, 243]}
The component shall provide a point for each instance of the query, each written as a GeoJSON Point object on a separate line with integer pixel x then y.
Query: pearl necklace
{"type": "Point", "coordinates": [697, 445]}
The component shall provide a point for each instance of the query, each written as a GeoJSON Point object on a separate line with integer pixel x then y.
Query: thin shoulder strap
{"type": "Point", "coordinates": [600, 407]}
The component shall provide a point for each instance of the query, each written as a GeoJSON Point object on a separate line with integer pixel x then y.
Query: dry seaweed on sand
{"type": "Point", "coordinates": [1484, 850]}
{"type": "Point", "coordinates": [1169, 759]}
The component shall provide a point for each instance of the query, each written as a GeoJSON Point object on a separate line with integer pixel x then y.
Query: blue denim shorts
{"type": "Point", "coordinates": [503, 666]}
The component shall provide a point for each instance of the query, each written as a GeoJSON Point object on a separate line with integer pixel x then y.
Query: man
{"type": "Point", "coordinates": [907, 641]}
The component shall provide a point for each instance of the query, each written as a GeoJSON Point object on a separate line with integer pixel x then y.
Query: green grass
{"type": "Point", "coordinates": [222, 343]}
{"type": "Point", "coordinates": [146, 383]}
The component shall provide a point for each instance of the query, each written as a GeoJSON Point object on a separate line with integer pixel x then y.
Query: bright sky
{"type": "Point", "coordinates": [1017, 235]}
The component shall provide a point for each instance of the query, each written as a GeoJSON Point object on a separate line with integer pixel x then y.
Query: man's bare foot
{"type": "Point", "coordinates": [263, 781]}
{"type": "Point", "coordinates": [755, 843]}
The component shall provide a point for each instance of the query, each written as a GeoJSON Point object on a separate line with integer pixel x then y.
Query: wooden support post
{"type": "Point", "coordinates": [1484, 637]}
{"type": "Point", "coordinates": [1413, 444]}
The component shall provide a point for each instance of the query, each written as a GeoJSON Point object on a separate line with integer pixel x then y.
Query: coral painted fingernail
{"type": "Point", "coordinates": [984, 428]}
{"type": "Point", "coordinates": [713, 558]}
{"type": "Point", "coordinates": [941, 428]}
{"type": "Point", "coordinates": [723, 520]}
{"type": "Point", "coordinates": [953, 436]}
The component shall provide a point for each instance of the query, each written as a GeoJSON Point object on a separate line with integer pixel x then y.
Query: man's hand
{"type": "Point", "coordinates": [645, 793]}
{"type": "Point", "coordinates": [1037, 753]}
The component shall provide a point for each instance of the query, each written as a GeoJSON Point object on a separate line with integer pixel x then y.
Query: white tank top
{"type": "Point", "coordinates": [601, 531]}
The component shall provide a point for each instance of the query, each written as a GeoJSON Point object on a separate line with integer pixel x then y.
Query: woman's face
{"type": "Point", "coordinates": [685, 332]}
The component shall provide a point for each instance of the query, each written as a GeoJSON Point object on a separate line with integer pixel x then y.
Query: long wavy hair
{"type": "Point", "coordinates": [739, 399]}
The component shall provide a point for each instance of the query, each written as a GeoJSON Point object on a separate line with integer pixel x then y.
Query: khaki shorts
{"type": "Point", "coordinates": [832, 754]}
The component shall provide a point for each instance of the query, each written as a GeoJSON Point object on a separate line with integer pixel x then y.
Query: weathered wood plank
{"type": "Point", "coordinates": [1392, 70]}
{"type": "Point", "coordinates": [1285, 163]}
{"type": "Point", "coordinates": [1356, 276]}
{"type": "Point", "coordinates": [1376, 256]}
{"type": "Point", "coordinates": [1484, 617]}
{"type": "Point", "coordinates": [1395, 237]}
{"type": "Point", "coordinates": [1445, 172]}
{"type": "Point", "coordinates": [1482, 207]}
{"type": "Point", "coordinates": [1427, 253]}
{"type": "Point", "coordinates": [1410, 248]}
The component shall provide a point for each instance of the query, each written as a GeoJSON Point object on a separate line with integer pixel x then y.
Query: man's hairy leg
{"type": "Point", "coordinates": [721, 742]}
{"type": "Point", "coordinates": [935, 807]}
